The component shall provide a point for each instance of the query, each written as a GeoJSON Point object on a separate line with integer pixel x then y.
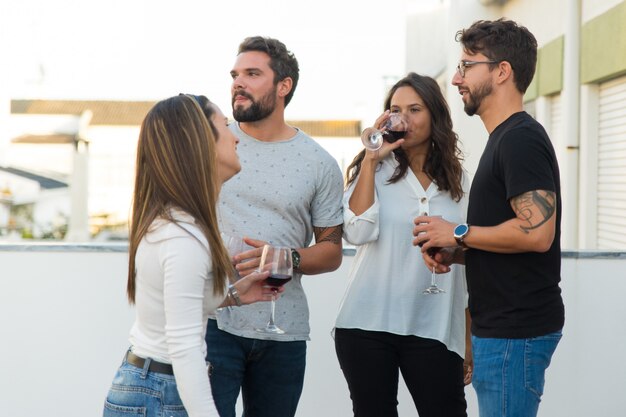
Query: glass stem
{"type": "Point", "coordinates": [271, 323]}
{"type": "Point", "coordinates": [432, 279]}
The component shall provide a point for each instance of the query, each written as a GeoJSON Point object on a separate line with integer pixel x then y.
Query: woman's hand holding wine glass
{"type": "Point", "coordinates": [389, 129]}
{"type": "Point", "coordinates": [249, 282]}
{"type": "Point", "coordinates": [253, 288]}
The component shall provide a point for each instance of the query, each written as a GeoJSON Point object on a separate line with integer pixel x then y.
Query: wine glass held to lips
{"type": "Point", "coordinates": [392, 129]}
{"type": "Point", "coordinates": [276, 260]}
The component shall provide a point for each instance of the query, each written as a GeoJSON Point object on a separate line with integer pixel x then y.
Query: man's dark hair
{"type": "Point", "coordinates": [282, 61]}
{"type": "Point", "coordinates": [503, 40]}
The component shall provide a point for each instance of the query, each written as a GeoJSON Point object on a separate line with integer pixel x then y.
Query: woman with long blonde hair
{"type": "Point", "coordinates": [178, 267]}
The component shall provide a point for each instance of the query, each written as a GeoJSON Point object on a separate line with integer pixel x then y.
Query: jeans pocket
{"type": "Point", "coordinates": [174, 411]}
{"type": "Point", "coordinates": [537, 356]}
{"type": "Point", "coordinates": [114, 410]}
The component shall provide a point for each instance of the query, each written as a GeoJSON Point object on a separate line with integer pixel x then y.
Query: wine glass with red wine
{"type": "Point", "coordinates": [276, 260]}
{"type": "Point", "coordinates": [394, 128]}
{"type": "Point", "coordinates": [432, 288]}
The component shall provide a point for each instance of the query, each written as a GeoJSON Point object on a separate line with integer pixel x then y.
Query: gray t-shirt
{"type": "Point", "coordinates": [284, 189]}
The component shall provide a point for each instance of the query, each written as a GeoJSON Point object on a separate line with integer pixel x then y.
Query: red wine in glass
{"type": "Point", "coordinates": [394, 128]}
{"type": "Point", "coordinates": [393, 135]}
{"type": "Point", "coordinates": [277, 280]}
{"type": "Point", "coordinates": [276, 260]}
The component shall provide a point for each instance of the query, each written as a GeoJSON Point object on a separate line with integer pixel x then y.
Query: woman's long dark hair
{"type": "Point", "coordinates": [443, 162]}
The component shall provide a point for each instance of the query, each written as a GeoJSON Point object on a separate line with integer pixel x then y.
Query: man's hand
{"type": "Point", "coordinates": [247, 262]}
{"type": "Point", "coordinates": [433, 232]}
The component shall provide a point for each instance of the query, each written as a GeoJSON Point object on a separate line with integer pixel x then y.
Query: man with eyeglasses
{"type": "Point", "coordinates": [511, 243]}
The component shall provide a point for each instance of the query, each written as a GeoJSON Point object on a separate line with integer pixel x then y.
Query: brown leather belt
{"type": "Point", "coordinates": [139, 362]}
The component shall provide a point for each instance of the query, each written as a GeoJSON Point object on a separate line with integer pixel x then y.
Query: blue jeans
{"type": "Point", "coordinates": [270, 374]}
{"type": "Point", "coordinates": [138, 392]}
{"type": "Point", "coordinates": [509, 374]}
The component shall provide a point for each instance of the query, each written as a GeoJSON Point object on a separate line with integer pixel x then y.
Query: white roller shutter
{"type": "Point", "coordinates": [556, 124]}
{"type": "Point", "coordinates": [612, 165]}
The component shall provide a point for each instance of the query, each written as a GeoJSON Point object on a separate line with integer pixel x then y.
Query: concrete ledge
{"type": "Point", "coordinates": [347, 251]}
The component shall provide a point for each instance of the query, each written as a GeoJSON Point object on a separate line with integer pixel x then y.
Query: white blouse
{"type": "Point", "coordinates": [388, 273]}
{"type": "Point", "coordinates": [174, 295]}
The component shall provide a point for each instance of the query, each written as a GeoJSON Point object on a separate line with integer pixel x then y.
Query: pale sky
{"type": "Point", "coordinates": [152, 49]}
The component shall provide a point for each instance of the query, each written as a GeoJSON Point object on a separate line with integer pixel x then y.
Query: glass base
{"type": "Point", "coordinates": [433, 289]}
{"type": "Point", "coordinates": [374, 141]}
{"type": "Point", "coordinates": [271, 329]}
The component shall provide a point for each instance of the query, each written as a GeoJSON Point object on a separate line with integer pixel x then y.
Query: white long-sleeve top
{"type": "Point", "coordinates": [174, 295]}
{"type": "Point", "coordinates": [388, 273]}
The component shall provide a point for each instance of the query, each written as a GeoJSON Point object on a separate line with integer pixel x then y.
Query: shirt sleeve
{"type": "Point", "coordinates": [326, 209]}
{"type": "Point", "coordinates": [527, 162]}
{"type": "Point", "coordinates": [186, 265]}
{"type": "Point", "coordinates": [358, 230]}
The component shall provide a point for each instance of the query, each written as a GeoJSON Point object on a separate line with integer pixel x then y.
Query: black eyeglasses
{"type": "Point", "coordinates": [464, 65]}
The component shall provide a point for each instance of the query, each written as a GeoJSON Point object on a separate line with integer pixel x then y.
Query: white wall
{"type": "Point", "coordinates": [343, 149]}
{"type": "Point", "coordinates": [65, 325]}
{"type": "Point", "coordinates": [594, 8]}
{"type": "Point", "coordinates": [55, 158]}
{"type": "Point", "coordinates": [112, 155]}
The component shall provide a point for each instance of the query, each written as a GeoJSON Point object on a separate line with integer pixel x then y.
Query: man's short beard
{"type": "Point", "coordinates": [474, 100]}
{"type": "Point", "coordinates": [258, 110]}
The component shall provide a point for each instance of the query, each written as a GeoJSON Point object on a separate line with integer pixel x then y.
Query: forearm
{"type": "Point", "coordinates": [322, 257]}
{"type": "Point", "coordinates": [511, 237]}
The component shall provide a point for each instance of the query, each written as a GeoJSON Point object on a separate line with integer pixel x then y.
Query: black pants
{"type": "Point", "coordinates": [370, 362]}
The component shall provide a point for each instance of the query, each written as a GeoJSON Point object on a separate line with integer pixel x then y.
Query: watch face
{"type": "Point", "coordinates": [295, 258]}
{"type": "Point", "coordinates": [461, 230]}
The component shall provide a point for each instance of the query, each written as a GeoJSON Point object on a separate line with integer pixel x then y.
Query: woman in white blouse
{"type": "Point", "coordinates": [178, 266]}
{"type": "Point", "coordinates": [385, 323]}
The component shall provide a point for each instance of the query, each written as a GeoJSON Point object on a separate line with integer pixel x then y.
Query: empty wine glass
{"type": "Point", "coordinates": [393, 128]}
{"type": "Point", "coordinates": [234, 245]}
{"type": "Point", "coordinates": [276, 260]}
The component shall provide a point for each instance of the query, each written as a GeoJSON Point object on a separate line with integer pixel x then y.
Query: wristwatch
{"type": "Point", "coordinates": [234, 294]}
{"type": "Point", "coordinates": [295, 259]}
{"type": "Point", "coordinates": [460, 232]}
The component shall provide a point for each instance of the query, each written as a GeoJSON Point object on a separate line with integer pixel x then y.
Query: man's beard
{"type": "Point", "coordinates": [475, 99]}
{"type": "Point", "coordinates": [258, 110]}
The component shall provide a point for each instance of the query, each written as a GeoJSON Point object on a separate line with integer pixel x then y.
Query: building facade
{"type": "Point", "coordinates": [578, 94]}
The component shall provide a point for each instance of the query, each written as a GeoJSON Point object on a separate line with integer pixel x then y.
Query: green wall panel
{"type": "Point", "coordinates": [532, 92]}
{"type": "Point", "coordinates": [603, 46]}
{"type": "Point", "coordinates": [550, 68]}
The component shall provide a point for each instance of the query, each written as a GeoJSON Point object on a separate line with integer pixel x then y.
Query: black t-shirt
{"type": "Point", "coordinates": [514, 295]}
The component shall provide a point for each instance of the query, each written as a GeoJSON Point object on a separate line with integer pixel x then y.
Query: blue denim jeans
{"type": "Point", "coordinates": [270, 374]}
{"type": "Point", "coordinates": [138, 392]}
{"type": "Point", "coordinates": [509, 374]}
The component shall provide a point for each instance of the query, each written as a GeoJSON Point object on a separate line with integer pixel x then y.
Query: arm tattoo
{"type": "Point", "coordinates": [328, 234]}
{"type": "Point", "coordinates": [535, 208]}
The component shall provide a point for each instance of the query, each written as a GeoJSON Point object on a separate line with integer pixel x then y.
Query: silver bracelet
{"type": "Point", "coordinates": [234, 294]}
